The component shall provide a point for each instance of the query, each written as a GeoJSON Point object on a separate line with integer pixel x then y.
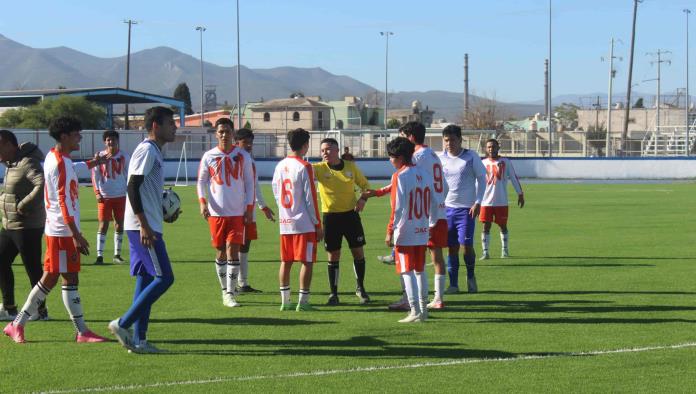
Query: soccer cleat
{"type": "Point", "coordinates": [306, 307]}
{"type": "Point", "coordinates": [15, 332]}
{"type": "Point", "coordinates": [145, 347]}
{"type": "Point", "coordinates": [424, 315]}
{"type": "Point", "coordinates": [287, 307]}
{"type": "Point", "coordinates": [247, 289]}
{"type": "Point", "coordinates": [411, 318]}
{"type": "Point", "coordinates": [118, 259]}
{"type": "Point", "coordinates": [362, 295]}
{"type": "Point", "coordinates": [333, 300]}
{"type": "Point", "coordinates": [6, 315]}
{"type": "Point", "coordinates": [505, 253]}
{"type": "Point", "coordinates": [89, 337]}
{"type": "Point", "coordinates": [452, 290]}
{"type": "Point", "coordinates": [485, 256]}
{"type": "Point", "coordinates": [99, 261]}
{"type": "Point", "coordinates": [125, 337]}
{"type": "Point", "coordinates": [401, 305]}
{"type": "Point", "coordinates": [471, 285]}
{"type": "Point", "coordinates": [41, 316]}
{"type": "Point", "coordinates": [436, 304]}
{"type": "Point", "coordinates": [388, 259]}
{"type": "Point", "coordinates": [229, 301]}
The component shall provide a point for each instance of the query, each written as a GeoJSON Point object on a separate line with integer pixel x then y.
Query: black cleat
{"type": "Point", "coordinates": [100, 260]}
{"type": "Point", "coordinates": [333, 299]}
{"type": "Point", "coordinates": [118, 259]}
{"type": "Point", "coordinates": [247, 289]}
{"type": "Point", "coordinates": [362, 295]}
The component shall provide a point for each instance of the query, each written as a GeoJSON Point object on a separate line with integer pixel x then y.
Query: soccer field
{"type": "Point", "coordinates": [599, 295]}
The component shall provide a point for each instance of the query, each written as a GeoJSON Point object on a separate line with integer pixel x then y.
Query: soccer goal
{"type": "Point", "coordinates": [191, 148]}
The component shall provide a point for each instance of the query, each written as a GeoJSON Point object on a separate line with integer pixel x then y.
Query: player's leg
{"type": "Point", "coordinates": [104, 217]}
{"type": "Point", "coordinates": [305, 283]}
{"type": "Point", "coordinates": [28, 242]}
{"type": "Point", "coordinates": [333, 238]}
{"type": "Point", "coordinates": [467, 243]}
{"type": "Point", "coordinates": [250, 234]}
{"type": "Point", "coordinates": [501, 221]}
{"type": "Point", "coordinates": [142, 281]}
{"type": "Point", "coordinates": [119, 210]}
{"type": "Point", "coordinates": [8, 252]}
{"type": "Point", "coordinates": [438, 260]}
{"type": "Point", "coordinates": [404, 267]}
{"type": "Point", "coordinates": [284, 282]}
{"type": "Point", "coordinates": [306, 252]}
{"type": "Point", "coordinates": [485, 240]}
{"type": "Point", "coordinates": [453, 229]}
{"type": "Point", "coordinates": [232, 254]}
{"type": "Point", "coordinates": [73, 304]}
{"type": "Point", "coordinates": [421, 280]}
{"type": "Point", "coordinates": [37, 296]}
{"type": "Point", "coordinates": [221, 269]}
{"type": "Point", "coordinates": [333, 256]}
{"type": "Point", "coordinates": [355, 235]}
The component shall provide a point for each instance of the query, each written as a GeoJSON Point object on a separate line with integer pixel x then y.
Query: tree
{"type": "Point", "coordinates": [247, 125]}
{"type": "Point", "coordinates": [639, 103]}
{"type": "Point", "coordinates": [38, 116]}
{"type": "Point", "coordinates": [183, 93]}
{"type": "Point", "coordinates": [567, 115]}
{"type": "Point", "coordinates": [393, 123]}
{"type": "Point", "coordinates": [483, 115]}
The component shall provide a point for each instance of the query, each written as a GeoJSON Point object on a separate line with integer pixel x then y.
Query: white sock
{"type": "Point", "coordinates": [411, 286]}
{"type": "Point", "coordinates": [404, 297]}
{"type": "Point", "coordinates": [118, 241]}
{"type": "Point", "coordinates": [72, 302]}
{"type": "Point", "coordinates": [304, 296]}
{"type": "Point", "coordinates": [285, 295]}
{"type": "Point", "coordinates": [221, 268]}
{"type": "Point", "coordinates": [439, 286]}
{"type": "Point", "coordinates": [232, 275]}
{"type": "Point", "coordinates": [422, 281]}
{"type": "Point", "coordinates": [485, 242]}
{"type": "Point", "coordinates": [504, 239]}
{"type": "Point", "coordinates": [37, 295]}
{"type": "Point", "coordinates": [243, 269]}
{"type": "Point", "coordinates": [101, 240]}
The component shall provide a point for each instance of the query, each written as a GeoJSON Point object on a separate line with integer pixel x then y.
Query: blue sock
{"type": "Point", "coordinates": [140, 309]}
{"type": "Point", "coordinates": [140, 325]}
{"type": "Point", "coordinates": [453, 269]}
{"type": "Point", "coordinates": [470, 261]}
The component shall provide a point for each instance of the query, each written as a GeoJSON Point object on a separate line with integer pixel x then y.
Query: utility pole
{"type": "Point", "coordinates": [239, 83]}
{"type": "Point", "coordinates": [612, 75]}
{"type": "Point", "coordinates": [201, 29]}
{"type": "Point", "coordinates": [659, 61]}
{"type": "Point", "coordinates": [466, 86]}
{"type": "Point", "coordinates": [688, 98]}
{"type": "Point", "coordinates": [550, 104]}
{"type": "Point", "coordinates": [597, 105]}
{"type": "Point", "coordinates": [386, 34]}
{"type": "Point", "coordinates": [546, 85]}
{"type": "Point", "coordinates": [130, 23]}
{"type": "Point", "coordinates": [624, 132]}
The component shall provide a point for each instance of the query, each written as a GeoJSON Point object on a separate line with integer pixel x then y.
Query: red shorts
{"type": "Point", "coordinates": [438, 235]}
{"type": "Point", "coordinates": [226, 230]}
{"type": "Point", "coordinates": [61, 255]}
{"type": "Point", "coordinates": [409, 258]}
{"type": "Point", "coordinates": [498, 215]}
{"type": "Point", "coordinates": [111, 208]}
{"type": "Point", "coordinates": [298, 247]}
{"type": "Point", "coordinates": [250, 232]}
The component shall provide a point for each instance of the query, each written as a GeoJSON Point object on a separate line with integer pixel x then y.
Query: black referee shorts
{"type": "Point", "coordinates": [342, 224]}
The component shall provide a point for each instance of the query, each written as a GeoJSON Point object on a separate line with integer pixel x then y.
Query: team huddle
{"type": "Point", "coordinates": [434, 198]}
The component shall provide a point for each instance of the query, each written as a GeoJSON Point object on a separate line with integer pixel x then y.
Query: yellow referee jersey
{"type": "Point", "coordinates": [337, 188]}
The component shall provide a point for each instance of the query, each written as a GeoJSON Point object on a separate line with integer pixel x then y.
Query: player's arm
{"type": "Point", "coordinates": [32, 200]}
{"type": "Point", "coordinates": [515, 183]}
{"type": "Point", "coordinates": [363, 184]}
{"type": "Point", "coordinates": [202, 185]}
{"type": "Point", "coordinates": [249, 187]}
{"type": "Point", "coordinates": [480, 174]}
{"type": "Point", "coordinates": [66, 209]}
{"type": "Point", "coordinates": [260, 201]}
{"type": "Point", "coordinates": [146, 161]}
{"type": "Point", "coordinates": [310, 192]}
{"type": "Point", "coordinates": [97, 181]}
{"type": "Point", "coordinates": [396, 208]}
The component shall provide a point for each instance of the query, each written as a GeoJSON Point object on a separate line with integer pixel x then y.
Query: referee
{"type": "Point", "coordinates": [337, 183]}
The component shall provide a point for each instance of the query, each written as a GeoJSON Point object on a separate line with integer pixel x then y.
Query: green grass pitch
{"type": "Point", "coordinates": [599, 295]}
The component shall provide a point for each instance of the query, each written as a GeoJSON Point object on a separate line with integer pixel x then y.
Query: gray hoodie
{"type": "Point", "coordinates": [24, 185]}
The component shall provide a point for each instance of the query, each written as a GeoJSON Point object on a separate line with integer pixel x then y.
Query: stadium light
{"type": "Point", "coordinates": [239, 87]}
{"type": "Point", "coordinates": [130, 23]}
{"type": "Point", "coordinates": [688, 99]}
{"type": "Point", "coordinates": [386, 34]}
{"type": "Point", "coordinates": [201, 29]}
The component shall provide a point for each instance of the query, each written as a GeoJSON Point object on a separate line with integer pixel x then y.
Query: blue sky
{"type": "Point", "coordinates": [506, 40]}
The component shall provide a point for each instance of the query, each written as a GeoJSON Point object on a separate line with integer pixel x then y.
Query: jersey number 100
{"type": "Point", "coordinates": [419, 203]}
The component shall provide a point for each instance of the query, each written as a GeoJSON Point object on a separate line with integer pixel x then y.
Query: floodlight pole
{"type": "Point", "coordinates": [386, 34]}
{"type": "Point", "coordinates": [627, 112]}
{"type": "Point", "coordinates": [688, 98]}
{"type": "Point", "coordinates": [130, 23]}
{"type": "Point", "coordinates": [611, 86]}
{"type": "Point", "coordinates": [239, 86]}
{"type": "Point", "coordinates": [201, 29]}
{"type": "Point", "coordinates": [549, 109]}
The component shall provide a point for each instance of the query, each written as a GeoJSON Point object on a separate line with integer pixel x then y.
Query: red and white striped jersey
{"type": "Point", "coordinates": [412, 206]}
{"type": "Point", "coordinates": [427, 161]}
{"type": "Point", "coordinates": [226, 182]}
{"type": "Point", "coordinates": [61, 194]}
{"type": "Point", "coordinates": [110, 179]}
{"type": "Point", "coordinates": [498, 172]}
{"type": "Point", "coordinates": [296, 195]}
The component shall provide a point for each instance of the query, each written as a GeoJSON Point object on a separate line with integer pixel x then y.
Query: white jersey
{"type": "Point", "coordinates": [296, 195]}
{"type": "Point", "coordinates": [109, 179]}
{"type": "Point", "coordinates": [258, 195]}
{"type": "Point", "coordinates": [147, 161]}
{"type": "Point", "coordinates": [226, 182]}
{"type": "Point", "coordinates": [412, 206]}
{"type": "Point", "coordinates": [498, 172]}
{"type": "Point", "coordinates": [61, 194]}
{"type": "Point", "coordinates": [466, 178]}
{"type": "Point", "coordinates": [427, 161]}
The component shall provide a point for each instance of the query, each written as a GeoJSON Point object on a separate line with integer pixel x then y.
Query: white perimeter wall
{"type": "Point", "coordinates": [561, 168]}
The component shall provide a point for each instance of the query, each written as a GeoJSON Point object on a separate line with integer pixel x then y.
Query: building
{"type": "Point", "coordinates": [353, 113]}
{"type": "Point", "coordinates": [640, 119]}
{"type": "Point", "coordinates": [208, 117]}
{"type": "Point", "coordinates": [415, 114]}
{"type": "Point", "coordinates": [288, 114]}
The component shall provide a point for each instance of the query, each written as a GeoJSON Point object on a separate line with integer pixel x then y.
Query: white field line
{"type": "Point", "coordinates": [367, 369]}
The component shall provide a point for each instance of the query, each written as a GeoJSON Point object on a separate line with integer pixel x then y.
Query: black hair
{"type": "Point", "coordinates": [401, 147]}
{"type": "Point", "coordinates": [63, 125]}
{"type": "Point", "coordinates": [492, 140]}
{"type": "Point", "coordinates": [243, 134]}
{"type": "Point", "coordinates": [8, 136]}
{"type": "Point", "coordinates": [415, 129]}
{"type": "Point", "coordinates": [297, 138]}
{"type": "Point", "coordinates": [329, 141]}
{"type": "Point", "coordinates": [110, 134]}
{"type": "Point", "coordinates": [452, 130]}
{"type": "Point", "coordinates": [226, 121]}
{"type": "Point", "coordinates": [157, 115]}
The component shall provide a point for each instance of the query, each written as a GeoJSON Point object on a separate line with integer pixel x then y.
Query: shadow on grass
{"type": "Point", "coordinates": [578, 265]}
{"type": "Point", "coordinates": [600, 258]}
{"type": "Point", "coordinates": [557, 306]}
{"type": "Point", "coordinates": [591, 320]}
{"type": "Point", "coordinates": [243, 321]}
{"type": "Point", "coordinates": [587, 292]}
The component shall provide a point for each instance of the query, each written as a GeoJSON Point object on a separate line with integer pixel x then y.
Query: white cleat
{"type": "Point", "coordinates": [471, 285]}
{"type": "Point", "coordinates": [505, 254]}
{"type": "Point", "coordinates": [5, 315]}
{"type": "Point", "coordinates": [436, 304]}
{"type": "Point", "coordinates": [485, 256]}
{"type": "Point", "coordinates": [401, 305]}
{"type": "Point", "coordinates": [388, 259]}
{"type": "Point", "coordinates": [229, 301]}
{"type": "Point", "coordinates": [411, 318]}
{"type": "Point", "coordinates": [145, 347]}
{"type": "Point", "coordinates": [125, 337]}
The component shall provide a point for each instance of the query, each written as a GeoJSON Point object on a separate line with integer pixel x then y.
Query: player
{"type": "Point", "coordinates": [338, 179]}
{"type": "Point", "coordinates": [226, 198]}
{"type": "Point", "coordinates": [64, 241]}
{"type": "Point", "coordinates": [494, 206]}
{"type": "Point", "coordinates": [347, 155]}
{"type": "Point", "coordinates": [298, 215]}
{"type": "Point", "coordinates": [466, 177]}
{"type": "Point", "coordinates": [412, 210]}
{"type": "Point", "coordinates": [245, 140]}
{"type": "Point", "coordinates": [109, 183]}
{"type": "Point", "coordinates": [149, 261]}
